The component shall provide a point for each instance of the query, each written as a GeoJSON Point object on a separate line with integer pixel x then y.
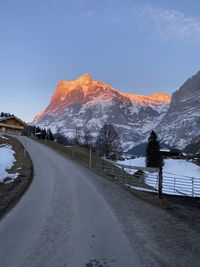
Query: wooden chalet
{"type": "Point", "coordinates": [12, 125]}
{"type": "Point", "coordinates": [173, 153]}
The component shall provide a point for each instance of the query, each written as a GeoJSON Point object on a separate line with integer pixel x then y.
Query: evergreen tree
{"type": "Point", "coordinates": [61, 139]}
{"type": "Point", "coordinates": [87, 138]}
{"type": "Point", "coordinates": [6, 115]}
{"type": "Point", "coordinates": [77, 137]}
{"type": "Point", "coordinates": [38, 130]}
{"type": "Point", "coordinates": [50, 135]}
{"type": "Point", "coordinates": [43, 134]}
{"type": "Point", "coordinates": [153, 155]}
{"type": "Point", "coordinates": [28, 130]}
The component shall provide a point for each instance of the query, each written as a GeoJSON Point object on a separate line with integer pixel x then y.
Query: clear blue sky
{"type": "Point", "coordinates": [135, 46]}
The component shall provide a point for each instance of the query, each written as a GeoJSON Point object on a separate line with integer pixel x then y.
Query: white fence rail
{"type": "Point", "coordinates": [172, 183]}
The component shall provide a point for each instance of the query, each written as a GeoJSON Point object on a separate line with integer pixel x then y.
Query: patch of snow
{"type": "Point", "coordinates": [7, 160]}
{"type": "Point", "coordinates": [3, 137]}
{"type": "Point", "coordinates": [141, 188]}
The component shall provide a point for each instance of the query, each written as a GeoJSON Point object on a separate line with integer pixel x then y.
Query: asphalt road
{"type": "Point", "coordinates": [70, 216]}
{"type": "Point", "coordinates": [62, 220]}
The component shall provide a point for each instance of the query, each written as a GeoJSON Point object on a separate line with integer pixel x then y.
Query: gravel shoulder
{"type": "Point", "coordinates": [10, 193]}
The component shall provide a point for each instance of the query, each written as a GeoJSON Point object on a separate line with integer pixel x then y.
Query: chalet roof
{"type": "Point", "coordinates": [12, 117]}
{"type": "Point", "coordinates": [2, 118]}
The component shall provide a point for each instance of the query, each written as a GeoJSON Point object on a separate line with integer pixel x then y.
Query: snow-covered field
{"type": "Point", "coordinates": [180, 177]}
{"type": "Point", "coordinates": [7, 160]}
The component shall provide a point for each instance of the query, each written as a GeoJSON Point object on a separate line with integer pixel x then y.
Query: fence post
{"type": "Point", "coordinates": [24, 148]}
{"type": "Point", "coordinates": [192, 186]}
{"type": "Point", "coordinates": [73, 153]}
{"type": "Point", "coordinates": [174, 185]}
{"type": "Point", "coordinates": [160, 182]}
{"type": "Point", "coordinates": [90, 157]}
{"type": "Point", "coordinates": [122, 173]}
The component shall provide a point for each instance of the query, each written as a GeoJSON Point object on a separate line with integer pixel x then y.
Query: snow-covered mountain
{"type": "Point", "coordinates": [85, 102]}
{"type": "Point", "coordinates": [182, 121]}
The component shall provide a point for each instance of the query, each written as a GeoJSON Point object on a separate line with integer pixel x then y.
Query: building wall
{"type": "Point", "coordinates": [12, 126]}
{"type": "Point", "coordinates": [10, 130]}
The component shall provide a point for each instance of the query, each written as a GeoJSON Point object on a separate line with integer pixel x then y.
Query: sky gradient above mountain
{"type": "Point", "coordinates": [139, 47]}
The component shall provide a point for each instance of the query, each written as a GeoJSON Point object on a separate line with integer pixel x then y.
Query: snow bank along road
{"type": "Point", "coordinates": [71, 217]}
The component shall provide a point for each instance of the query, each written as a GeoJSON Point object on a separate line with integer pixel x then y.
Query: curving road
{"type": "Point", "coordinates": [62, 220]}
{"type": "Point", "coordinates": [72, 217]}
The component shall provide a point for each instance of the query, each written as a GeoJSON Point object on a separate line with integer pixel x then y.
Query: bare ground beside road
{"type": "Point", "coordinates": [186, 209]}
{"type": "Point", "coordinates": [11, 192]}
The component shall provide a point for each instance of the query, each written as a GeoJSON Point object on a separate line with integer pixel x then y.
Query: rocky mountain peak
{"type": "Point", "coordinates": [182, 121]}
{"type": "Point", "coordinates": [64, 86]}
{"type": "Point", "coordinates": [161, 97]}
{"type": "Point", "coordinates": [85, 79]}
{"type": "Point", "coordinates": [85, 102]}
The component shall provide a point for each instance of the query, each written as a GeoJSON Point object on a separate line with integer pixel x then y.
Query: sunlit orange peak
{"type": "Point", "coordinates": [37, 117]}
{"type": "Point", "coordinates": [161, 97]}
{"type": "Point", "coordinates": [157, 97]}
{"type": "Point", "coordinates": [85, 77]}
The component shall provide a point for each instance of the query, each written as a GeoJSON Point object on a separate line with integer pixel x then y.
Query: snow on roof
{"type": "Point", "coordinates": [5, 118]}
{"type": "Point", "coordinates": [164, 150]}
{"type": "Point", "coordinates": [10, 117]}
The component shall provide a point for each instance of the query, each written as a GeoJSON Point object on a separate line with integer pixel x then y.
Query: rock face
{"type": "Point", "coordinates": [85, 102]}
{"type": "Point", "coordinates": [182, 121]}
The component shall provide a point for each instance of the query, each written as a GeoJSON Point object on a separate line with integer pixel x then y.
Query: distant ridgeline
{"type": "Point", "coordinates": [5, 115]}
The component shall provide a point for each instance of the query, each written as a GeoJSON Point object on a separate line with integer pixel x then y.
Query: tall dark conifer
{"type": "Point", "coordinates": [50, 135]}
{"type": "Point", "coordinates": [153, 155]}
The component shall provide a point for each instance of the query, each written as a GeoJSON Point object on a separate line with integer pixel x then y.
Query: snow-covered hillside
{"type": "Point", "coordinates": [85, 102]}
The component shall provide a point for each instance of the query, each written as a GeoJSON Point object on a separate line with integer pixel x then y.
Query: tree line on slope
{"type": "Point", "coordinates": [107, 143]}
{"type": "Point", "coordinates": [40, 133]}
{"type": "Point", "coordinates": [5, 115]}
